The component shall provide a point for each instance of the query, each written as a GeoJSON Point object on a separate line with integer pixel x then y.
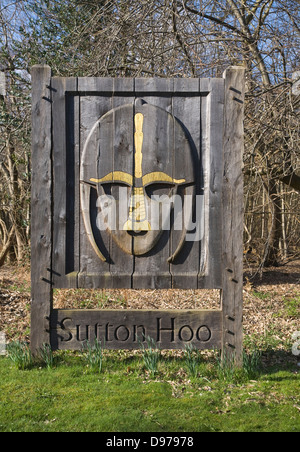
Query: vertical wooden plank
{"type": "Point", "coordinates": [72, 188]}
{"type": "Point", "coordinates": [93, 272]}
{"type": "Point", "coordinates": [122, 264]}
{"type": "Point", "coordinates": [187, 109]}
{"type": "Point", "coordinates": [204, 90]}
{"type": "Point", "coordinates": [77, 212]}
{"type": "Point", "coordinates": [112, 140]}
{"type": "Point", "coordinates": [61, 159]}
{"type": "Point", "coordinates": [153, 270]}
{"type": "Point", "coordinates": [233, 214]}
{"type": "Point", "coordinates": [212, 145]}
{"type": "Point", "coordinates": [41, 208]}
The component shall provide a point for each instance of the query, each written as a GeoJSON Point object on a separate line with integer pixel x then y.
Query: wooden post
{"type": "Point", "coordinates": [233, 214]}
{"type": "Point", "coordinates": [41, 208]}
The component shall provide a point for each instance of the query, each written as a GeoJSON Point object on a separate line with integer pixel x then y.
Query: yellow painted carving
{"type": "Point", "coordinates": [137, 220]}
{"type": "Point", "coordinates": [115, 176]}
{"type": "Point", "coordinates": [137, 226]}
{"type": "Point", "coordinates": [138, 137]}
{"type": "Point", "coordinates": [160, 177]}
{"type": "Point", "coordinates": [120, 176]}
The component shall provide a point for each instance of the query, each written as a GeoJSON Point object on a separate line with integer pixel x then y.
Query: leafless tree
{"type": "Point", "coordinates": [14, 144]}
{"type": "Point", "coordinates": [185, 38]}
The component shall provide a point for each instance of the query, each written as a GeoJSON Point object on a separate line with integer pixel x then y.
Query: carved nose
{"type": "Point", "coordinates": [137, 220]}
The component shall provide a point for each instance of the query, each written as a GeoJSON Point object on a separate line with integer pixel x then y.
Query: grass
{"type": "Point", "coordinates": [20, 355]}
{"type": "Point", "coordinates": [152, 390]}
{"type": "Point", "coordinates": [47, 356]}
{"type": "Point", "coordinates": [262, 295]}
{"type": "Point", "coordinates": [151, 355]}
{"type": "Point", "coordinates": [94, 355]}
{"type": "Point", "coordinates": [126, 397]}
{"type": "Point", "coordinates": [291, 308]}
{"type": "Point", "coordinates": [192, 358]}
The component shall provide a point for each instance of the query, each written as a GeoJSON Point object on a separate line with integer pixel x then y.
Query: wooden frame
{"type": "Point", "coordinates": [63, 111]}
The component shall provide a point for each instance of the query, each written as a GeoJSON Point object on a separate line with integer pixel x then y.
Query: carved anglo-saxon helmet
{"type": "Point", "coordinates": [145, 151]}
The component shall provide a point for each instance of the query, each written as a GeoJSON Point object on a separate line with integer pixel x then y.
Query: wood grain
{"type": "Point", "coordinates": [64, 168]}
{"type": "Point", "coordinates": [127, 329]}
{"type": "Point", "coordinates": [233, 213]}
{"type": "Point", "coordinates": [66, 153]}
{"type": "Point", "coordinates": [41, 208]}
{"type": "Point", "coordinates": [197, 107]}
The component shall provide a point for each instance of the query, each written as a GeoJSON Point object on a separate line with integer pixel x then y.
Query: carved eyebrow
{"type": "Point", "coordinates": [115, 176]}
{"type": "Point", "coordinates": [159, 176]}
{"type": "Point", "coordinates": [120, 176]}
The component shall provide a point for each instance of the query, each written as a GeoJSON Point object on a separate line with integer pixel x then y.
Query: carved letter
{"type": "Point", "coordinates": [107, 332]}
{"type": "Point", "coordinates": [124, 333]}
{"type": "Point", "coordinates": [160, 329]}
{"type": "Point", "coordinates": [78, 331]}
{"type": "Point", "coordinates": [67, 330]}
{"type": "Point", "coordinates": [135, 333]}
{"type": "Point", "coordinates": [203, 334]}
{"type": "Point", "coordinates": [189, 336]}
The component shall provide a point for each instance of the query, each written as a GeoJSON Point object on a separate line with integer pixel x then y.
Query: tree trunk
{"type": "Point", "coordinates": [7, 246]}
{"type": "Point", "coordinates": [272, 252]}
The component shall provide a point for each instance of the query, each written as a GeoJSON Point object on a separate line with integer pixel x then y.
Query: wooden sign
{"type": "Point", "coordinates": [137, 184]}
{"type": "Point", "coordinates": [128, 329]}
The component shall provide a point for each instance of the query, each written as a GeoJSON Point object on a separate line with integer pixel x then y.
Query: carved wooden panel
{"type": "Point", "coordinates": [141, 169]}
{"type": "Point", "coordinates": [129, 329]}
{"type": "Point", "coordinates": [137, 183]}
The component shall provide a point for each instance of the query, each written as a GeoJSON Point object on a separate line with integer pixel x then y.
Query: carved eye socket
{"type": "Point", "coordinates": [114, 190]}
{"type": "Point", "coordinates": [159, 189]}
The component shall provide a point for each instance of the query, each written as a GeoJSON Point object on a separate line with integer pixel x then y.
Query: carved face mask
{"type": "Point", "coordinates": [142, 153]}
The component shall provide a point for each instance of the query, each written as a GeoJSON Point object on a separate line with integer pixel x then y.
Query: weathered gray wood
{"type": "Point", "coordinates": [232, 293]}
{"type": "Point", "coordinates": [106, 150]}
{"type": "Point", "coordinates": [72, 187]}
{"type": "Point", "coordinates": [63, 157]}
{"type": "Point", "coordinates": [79, 105]}
{"type": "Point", "coordinates": [186, 85]}
{"type": "Point", "coordinates": [185, 267]}
{"type": "Point", "coordinates": [93, 271]}
{"type": "Point", "coordinates": [41, 208]}
{"type": "Point", "coordinates": [153, 85]}
{"type": "Point", "coordinates": [155, 91]}
{"type": "Point", "coordinates": [122, 264]}
{"type": "Point", "coordinates": [89, 86]}
{"type": "Point", "coordinates": [152, 270]}
{"type": "Point", "coordinates": [205, 87]}
{"type": "Point", "coordinates": [212, 130]}
{"type": "Point", "coordinates": [127, 329]}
